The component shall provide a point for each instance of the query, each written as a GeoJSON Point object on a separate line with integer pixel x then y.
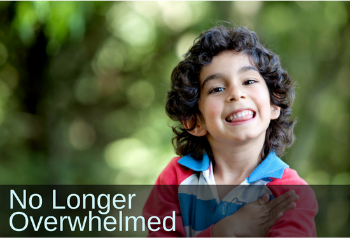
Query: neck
{"type": "Point", "coordinates": [236, 161]}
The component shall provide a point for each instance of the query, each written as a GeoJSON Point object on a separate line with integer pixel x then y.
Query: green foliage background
{"type": "Point", "coordinates": [82, 86]}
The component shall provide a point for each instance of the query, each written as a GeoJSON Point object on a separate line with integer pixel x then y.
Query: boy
{"type": "Point", "coordinates": [233, 101]}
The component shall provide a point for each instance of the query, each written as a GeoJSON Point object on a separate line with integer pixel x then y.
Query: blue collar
{"type": "Point", "coordinates": [271, 167]}
{"type": "Point", "coordinates": [194, 164]}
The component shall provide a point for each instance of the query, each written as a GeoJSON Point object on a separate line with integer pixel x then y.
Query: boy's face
{"type": "Point", "coordinates": [234, 100]}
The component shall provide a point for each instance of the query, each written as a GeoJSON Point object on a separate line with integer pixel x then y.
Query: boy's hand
{"type": "Point", "coordinates": [256, 218]}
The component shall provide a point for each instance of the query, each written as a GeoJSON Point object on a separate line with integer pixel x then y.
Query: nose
{"type": "Point", "coordinates": [235, 94]}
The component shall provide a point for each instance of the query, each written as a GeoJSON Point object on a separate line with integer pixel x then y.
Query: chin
{"type": "Point", "coordinates": [241, 138]}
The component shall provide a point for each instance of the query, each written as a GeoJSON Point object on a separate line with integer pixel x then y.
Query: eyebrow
{"type": "Point", "coordinates": [247, 68]}
{"type": "Point", "coordinates": [211, 77]}
{"type": "Point", "coordinates": [218, 75]}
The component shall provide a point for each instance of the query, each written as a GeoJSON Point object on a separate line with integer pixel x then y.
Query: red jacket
{"type": "Point", "coordinates": [197, 212]}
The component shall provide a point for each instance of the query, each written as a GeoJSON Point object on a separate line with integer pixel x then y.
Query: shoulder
{"type": "Point", "coordinates": [289, 177]}
{"type": "Point", "coordinates": [291, 181]}
{"type": "Point", "coordinates": [300, 220]}
{"type": "Point", "coordinates": [174, 173]}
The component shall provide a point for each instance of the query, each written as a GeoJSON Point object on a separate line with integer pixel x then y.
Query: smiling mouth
{"type": "Point", "coordinates": [240, 116]}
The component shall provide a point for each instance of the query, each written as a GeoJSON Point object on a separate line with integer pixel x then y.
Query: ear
{"type": "Point", "coordinates": [199, 130]}
{"type": "Point", "coordinates": [275, 111]}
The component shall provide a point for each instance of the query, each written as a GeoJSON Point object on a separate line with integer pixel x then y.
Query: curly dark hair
{"type": "Point", "coordinates": [182, 99]}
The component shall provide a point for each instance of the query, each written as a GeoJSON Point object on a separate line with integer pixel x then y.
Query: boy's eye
{"type": "Point", "coordinates": [249, 81]}
{"type": "Point", "coordinates": [216, 90]}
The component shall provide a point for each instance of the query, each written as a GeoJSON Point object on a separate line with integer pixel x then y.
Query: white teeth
{"type": "Point", "coordinates": [240, 114]}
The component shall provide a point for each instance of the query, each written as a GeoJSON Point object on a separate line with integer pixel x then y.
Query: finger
{"type": "Point", "coordinates": [280, 199]}
{"type": "Point", "coordinates": [279, 211]}
{"type": "Point", "coordinates": [286, 205]}
{"type": "Point", "coordinates": [263, 199]}
{"type": "Point", "coordinates": [276, 216]}
{"type": "Point", "coordinates": [269, 223]}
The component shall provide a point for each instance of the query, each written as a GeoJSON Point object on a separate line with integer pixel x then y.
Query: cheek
{"type": "Point", "coordinates": [214, 110]}
{"type": "Point", "coordinates": [210, 110]}
{"type": "Point", "coordinates": [262, 99]}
